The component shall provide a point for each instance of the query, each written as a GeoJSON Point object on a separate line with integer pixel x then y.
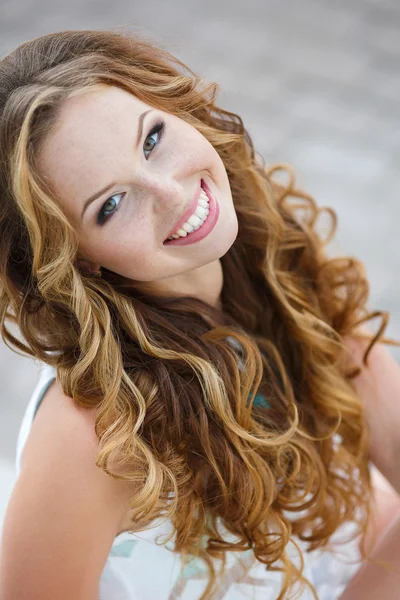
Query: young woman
{"type": "Point", "coordinates": [207, 424]}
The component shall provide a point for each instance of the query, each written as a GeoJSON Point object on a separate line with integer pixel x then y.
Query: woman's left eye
{"type": "Point", "coordinates": [158, 131]}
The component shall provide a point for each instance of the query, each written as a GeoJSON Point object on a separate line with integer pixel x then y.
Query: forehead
{"type": "Point", "coordinates": [90, 115]}
{"type": "Point", "coordinates": [94, 129]}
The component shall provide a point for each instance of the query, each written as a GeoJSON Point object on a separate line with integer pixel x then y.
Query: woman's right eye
{"type": "Point", "coordinates": [106, 211]}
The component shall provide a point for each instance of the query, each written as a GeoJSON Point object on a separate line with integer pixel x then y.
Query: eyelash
{"type": "Point", "coordinates": [158, 128]}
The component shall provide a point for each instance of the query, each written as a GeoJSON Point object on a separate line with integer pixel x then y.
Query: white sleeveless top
{"type": "Point", "coordinates": [139, 569]}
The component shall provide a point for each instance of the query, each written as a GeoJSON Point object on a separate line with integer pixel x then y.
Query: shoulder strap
{"type": "Point", "coordinates": [47, 374]}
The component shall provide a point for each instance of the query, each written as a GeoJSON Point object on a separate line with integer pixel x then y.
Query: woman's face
{"type": "Point", "coordinates": [103, 147]}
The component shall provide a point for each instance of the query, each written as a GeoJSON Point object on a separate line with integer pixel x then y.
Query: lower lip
{"type": "Point", "coordinates": [206, 228]}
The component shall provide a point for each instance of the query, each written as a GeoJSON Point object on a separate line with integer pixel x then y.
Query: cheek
{"type": "Point", "coordinates": [193, 149]}
{"type": "Point", "coordinates": [206, 151]}
{"type": "Point", "coordinates": [133, 255]}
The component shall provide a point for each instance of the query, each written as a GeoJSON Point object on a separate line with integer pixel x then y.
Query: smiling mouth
{"type": "Point", "coordinates": [196, 220]}
{"type": "Point", "coordinates": [203, 221]}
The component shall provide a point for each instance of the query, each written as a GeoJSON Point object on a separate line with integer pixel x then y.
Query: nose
{"type": "Point", "coordinates": [163, 195]}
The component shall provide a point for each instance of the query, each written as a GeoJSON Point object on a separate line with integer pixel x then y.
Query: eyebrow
{"type": "Point", "coordinates": [99, 193]}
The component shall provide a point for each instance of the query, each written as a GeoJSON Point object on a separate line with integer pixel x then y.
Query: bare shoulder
{"type": "Point", "coordinates": [60, 421]}
{"type": "Point", "coordinates": [64, 511]}
{"type": "Point", "coordinates": [378, 384]}
{"type": "Point", "coordinates": [63, 439]}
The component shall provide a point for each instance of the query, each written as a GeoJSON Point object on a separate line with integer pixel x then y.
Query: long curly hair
{"type": "Point", "coordinates": [175, 413]}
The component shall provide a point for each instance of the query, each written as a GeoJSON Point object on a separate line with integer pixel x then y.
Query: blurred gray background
{"type": "Point", "coordinates": [317, 84]}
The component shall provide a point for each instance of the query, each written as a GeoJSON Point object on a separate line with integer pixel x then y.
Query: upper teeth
{"type": "Point", "coordinates": [196, 220]}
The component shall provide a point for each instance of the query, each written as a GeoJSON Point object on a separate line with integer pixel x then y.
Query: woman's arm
{"type": "Point", "coordinates": [374, 581]}
{"type": "Point", "coordinates": [64, 511]}
{"type": "Point", "coordinates": [379, 387]}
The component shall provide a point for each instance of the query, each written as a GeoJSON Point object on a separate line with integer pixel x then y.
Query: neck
{"type": "Point", "coordinates": [204, 282]}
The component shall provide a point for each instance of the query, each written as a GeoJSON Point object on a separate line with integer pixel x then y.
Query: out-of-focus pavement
{"type": "Point", "coordinates": [318, 86]}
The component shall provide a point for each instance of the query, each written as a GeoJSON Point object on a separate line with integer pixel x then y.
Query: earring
{"type": "Point", "coordinates": [96, 273]}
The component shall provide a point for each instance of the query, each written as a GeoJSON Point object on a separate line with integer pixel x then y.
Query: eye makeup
{"type": "Point", "coordinates": [158, 129]}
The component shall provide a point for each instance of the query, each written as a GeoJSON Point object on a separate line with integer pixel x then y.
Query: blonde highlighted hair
{"type": "Point", "coordinates": [175, 414]}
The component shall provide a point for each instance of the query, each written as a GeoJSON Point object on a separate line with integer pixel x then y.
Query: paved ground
{"type": "Point", "coordinates": [317, 84]}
